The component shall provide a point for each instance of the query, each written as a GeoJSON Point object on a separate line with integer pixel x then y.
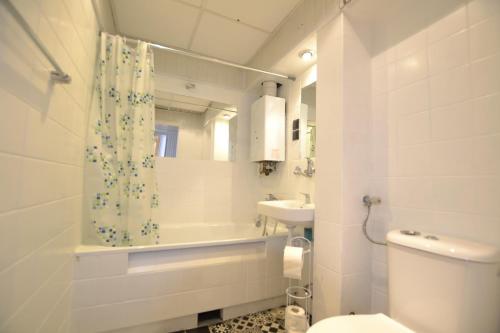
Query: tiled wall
{"type": "Point", "coordinates": [436, 132]}
{"type": "Point", "coordinates": [342, 254]}
{"type": "Point", "coordinates": [195, 191]}
{"type": "Point", "coordinates": [205, 191]}
{"type": "Point", "coordinates": [41, 142]}
{"type": "Point", "coordinates": [327, 224]}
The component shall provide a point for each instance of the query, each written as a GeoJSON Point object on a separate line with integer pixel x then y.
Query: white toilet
{"type": "Point", "coordinates": [437, 284]}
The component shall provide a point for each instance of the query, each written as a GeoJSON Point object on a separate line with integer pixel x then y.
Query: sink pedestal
{"type": "Point", "coordinates": [290, 228]}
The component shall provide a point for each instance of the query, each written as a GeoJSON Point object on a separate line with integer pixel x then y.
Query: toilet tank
{"type": "Point", "coordinates": [439, 284]}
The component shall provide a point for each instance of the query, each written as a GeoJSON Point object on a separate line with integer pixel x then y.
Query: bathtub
{"type": "Point", "coordinates": [196, 235]}
{"type": "Point", "coordinates": [196, 268]}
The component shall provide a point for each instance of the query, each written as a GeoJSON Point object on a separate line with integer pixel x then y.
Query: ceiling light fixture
{"type": "Point", "coordinates": [227, 116]}
{"type": "Point", "coordinates": [306, 55]}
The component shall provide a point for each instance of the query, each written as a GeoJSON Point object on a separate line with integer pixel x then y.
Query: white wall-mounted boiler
{"type": "Point", "coordinates": [267, 142]}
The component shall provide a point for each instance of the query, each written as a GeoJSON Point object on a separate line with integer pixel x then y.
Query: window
{"type": "Point", "coordinates": [166, 140]}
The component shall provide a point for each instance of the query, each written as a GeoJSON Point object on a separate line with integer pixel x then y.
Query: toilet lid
{"type": "Point", "coordinates": [377, 323]}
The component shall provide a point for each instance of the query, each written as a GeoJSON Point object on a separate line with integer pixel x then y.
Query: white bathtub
{"type": "Point", "coordinates": [196, 235]}
{"type": "Point", "coordinates": [196, 268]}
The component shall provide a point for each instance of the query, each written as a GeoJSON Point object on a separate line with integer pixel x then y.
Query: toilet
{"type": "Point", "coordinates": [437, 284]}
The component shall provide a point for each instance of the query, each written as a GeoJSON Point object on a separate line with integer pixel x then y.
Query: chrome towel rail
{"type": "Point", "coordinates": [58, 75]}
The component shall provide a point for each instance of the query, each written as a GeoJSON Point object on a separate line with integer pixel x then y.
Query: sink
{"type": "Point", "coordinates": [292, 213]}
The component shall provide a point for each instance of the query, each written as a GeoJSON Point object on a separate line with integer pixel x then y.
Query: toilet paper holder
{"type": "Point", "coordinates": [298, 292]}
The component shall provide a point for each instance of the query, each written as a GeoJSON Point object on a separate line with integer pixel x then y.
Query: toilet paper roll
{"type": "Point", "coordinates": [295, 319]}
{"type": "Point", "coordinates": [292, 262]}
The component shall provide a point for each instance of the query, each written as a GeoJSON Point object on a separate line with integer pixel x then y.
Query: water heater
{"type": "Point", "coordinates": [267, 142]}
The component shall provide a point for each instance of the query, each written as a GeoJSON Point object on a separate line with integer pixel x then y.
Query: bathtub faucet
{"type": "Point", "coordinates": [258, 221]}
{"type": "Point", "coordinates": [271, 197]}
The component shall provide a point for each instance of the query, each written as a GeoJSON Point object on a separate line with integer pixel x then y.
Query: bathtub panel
{"type": "Point", "coordinates": [145, 287]}
{"type": "Point", "coordinates": [222, 274]}
{"type": "Point", "coordinates": [169, 325]}
{"type": "Point", "coordinates": [92, 292]}
{"type": "Point", "coordinates": [153, 285]}
{"type": "Point", "coordinates": [126, 314]}
{"type": "Point", "coordinates": [101, 265]}
{"type": "Point", "coordinates": [274, 262]}
{"type": "Point", "coordinates": [256, 290]}
{"type": "Point", "coordinates": [256, 267]}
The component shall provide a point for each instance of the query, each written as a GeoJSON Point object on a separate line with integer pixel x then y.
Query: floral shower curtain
{"type": "Point", "coordinates": [120, 165]}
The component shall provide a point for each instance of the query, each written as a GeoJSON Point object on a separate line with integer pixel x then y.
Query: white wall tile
{"type": "Point", "coordinates": [448, 53]}
{"type": "Point", "coordinates": [414, 128]}
{"type": "Point", "coordinates": [327, 289]}
{"type": "Point", "coordinates": [486, 114]}
{"type": "Point", "coordinates": [484, 76]}
{"type": "Point", "coordinates": [412, 68]}
{"type": "Point", "coordinates": [410, 192]}
{"type": "Point", "coordinates": [13, 125]}
{"type": "Point", "coordinates": [10, 179]}
{"type": "Point", "coordinates": [412, 44]}
{"type": "Point", "coordinates": [43, 129]}
{"type": "Point", "coordinates": [410, 99]}
{"type": "Point", "coordinates": [452, 158]}
{"type": "Point", "coordinates": [448, 25]}
{"type": "Point", "coordinates": [453, 121]}
{"type": "Point", "coordinates": [328, 245]}
{"type": "Point", "coordinates": [483, 38]}
{"type": "Point", "coordinates": [36, 310]}
{"type": "Point", "coordinates": [450, 87]}
{"type": "Point", "coordinates": [414, 160]}
{"type": "Point", "coordinates": [354, 251]}
{"type": "Point", "coordinates": [356, 291]}
{"type": "Point", "coordinates": [379, 302]}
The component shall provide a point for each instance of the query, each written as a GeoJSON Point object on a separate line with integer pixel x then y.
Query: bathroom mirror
{"type": "Point", "coordinates": [308, 121]}
{"type": "Point", "coordinates": [194, 128]}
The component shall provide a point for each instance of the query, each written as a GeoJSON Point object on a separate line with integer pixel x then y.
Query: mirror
{"type": "Point", "coordinates": [308, 121]}
{"type": "Point", "coordinates": [194, 128]}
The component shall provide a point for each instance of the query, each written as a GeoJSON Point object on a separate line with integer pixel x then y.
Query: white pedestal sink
{"type": "Point", "coordinates": [291, 213]}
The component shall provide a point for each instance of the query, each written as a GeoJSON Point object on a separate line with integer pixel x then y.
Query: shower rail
{"type": "Point", "coordinates": [58, 74]}
{"type": "Point", "coordinates": [206, 58]}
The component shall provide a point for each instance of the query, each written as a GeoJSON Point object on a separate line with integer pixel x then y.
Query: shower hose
{"type": "Point", "coordinates": [369, 208]}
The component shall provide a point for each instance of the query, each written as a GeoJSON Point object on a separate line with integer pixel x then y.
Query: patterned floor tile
{"type": "Point", "coordinates": [270, 321]}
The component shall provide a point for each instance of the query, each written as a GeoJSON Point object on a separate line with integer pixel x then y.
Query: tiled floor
{"type": "Point", "coordinates": [269, 321]}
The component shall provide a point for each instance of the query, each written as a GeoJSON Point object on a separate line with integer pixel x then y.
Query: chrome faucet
{"type": "Point", "coordinates": [271, 197]}
{"type": "Point", "coordinates": [308, 172]}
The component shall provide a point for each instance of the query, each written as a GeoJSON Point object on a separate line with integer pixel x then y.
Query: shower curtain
{"type": "Point", "coordinates": [120, 184]}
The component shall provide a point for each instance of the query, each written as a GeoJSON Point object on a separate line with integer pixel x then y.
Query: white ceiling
{"type": "Point", "coordinates": [232, 30]}
{"type": "Point", "coordinates": [176, 102]}
{"type": "Point", "coordinates": [292, 64]}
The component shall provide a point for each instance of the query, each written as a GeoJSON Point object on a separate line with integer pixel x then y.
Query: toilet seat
{"type": "Point", "coordinates": [377, 323]}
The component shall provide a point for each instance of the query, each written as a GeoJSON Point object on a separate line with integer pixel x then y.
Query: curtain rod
{"type": "Point", "coordinates": [207, 58]}
{"type": "Point", "coordinates": [58, 74]}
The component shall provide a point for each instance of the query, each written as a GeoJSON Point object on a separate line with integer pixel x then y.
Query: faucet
{"type": "Point", "coordinates": [307, 198]}
{"type": "Point", "coordinates": [308, 172]}
{"type": "Point", "coordinates": [271, 197]}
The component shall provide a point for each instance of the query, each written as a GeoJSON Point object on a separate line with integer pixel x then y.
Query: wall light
{"type": "Point", "coordinates": [306, 55]}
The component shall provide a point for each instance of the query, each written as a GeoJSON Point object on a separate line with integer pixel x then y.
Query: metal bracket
{"type": "Point", "coordinates": [60, 77]}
